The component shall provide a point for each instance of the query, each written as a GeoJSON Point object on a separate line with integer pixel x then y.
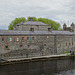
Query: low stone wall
{"type": "Point", "coordinates": [27, 53]}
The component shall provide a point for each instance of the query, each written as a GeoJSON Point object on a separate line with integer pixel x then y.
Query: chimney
{"type": "Point", "coordinates": [49, 29]}
{"type": "Point", "coordinates": [31, 19]}
{"type": "Point", "coordinates": [32, 29]}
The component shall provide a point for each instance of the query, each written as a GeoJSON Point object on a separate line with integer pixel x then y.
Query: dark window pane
{"type": "Point", "coordinates": [66, 44]}
{"type": "Point", "coordinates": [28, 46]}
{"type": "Point", "coordinates": [22, 38]}
{"type": "Point", "coordinates": [27, 38]}
{"type": "Point", "coordinates": [69, 43]}
{"type": "Point", "coordinates": [6, 47]}
{"type": "Point", "coordinates": [44, 44]}
{"type": "Point", "coordinates": [6, 38]}
{"type": "Point", "coordinates": [72, 43]}
{"type": "Point", "coordinates": [20, 45]}
{"type": "Point", "coordinates": [2, 38]}
{"type": "Point", "coordinates": [32, 38]}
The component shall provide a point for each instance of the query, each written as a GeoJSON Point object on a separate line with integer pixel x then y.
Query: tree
{"type": "Point", "coordinates": [16, 21]}
{"type": "Point", "coordinates": [54, 25]}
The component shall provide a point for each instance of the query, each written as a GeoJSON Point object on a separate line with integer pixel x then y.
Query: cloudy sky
{"type": "Point", "coordinates": [58, 10]}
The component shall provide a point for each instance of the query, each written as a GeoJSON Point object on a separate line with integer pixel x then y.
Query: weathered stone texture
{"type": "Point", "coordinates": [65, 43]}
{"type": "Point", "coordinates": [36, 27]}
{"type": "Point", "coordinates": [41, 41]}
{"type": "Point", "coordinates": [40, 46]}
{"type": "Point", "coordinates": [36, 46]}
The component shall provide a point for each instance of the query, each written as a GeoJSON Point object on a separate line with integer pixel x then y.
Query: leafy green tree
{"type": "Point", "coordinates": [54, 25]}
{"type": "Point", "coordinates": [16, 21]}
{"type": "Point", "coordinates": [10, 27]}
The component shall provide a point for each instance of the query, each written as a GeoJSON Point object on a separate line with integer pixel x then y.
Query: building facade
{"type": "Point", "coordinates": [34, 39]}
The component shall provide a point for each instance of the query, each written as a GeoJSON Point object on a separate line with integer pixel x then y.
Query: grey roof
{"type": "Point", "coordinates": [31, 23]}
{"type": "Point", "coordinates": [12, 32]}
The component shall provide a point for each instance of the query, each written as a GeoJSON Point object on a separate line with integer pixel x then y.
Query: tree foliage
{"type": "Point", "coordinates": [54, 25]}
{"type": "Point", "coordinates": [16, 21]}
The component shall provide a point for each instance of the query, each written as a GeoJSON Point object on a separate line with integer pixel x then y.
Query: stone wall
{"type": "Point", "coordinates": [35, 46]}
{"type": "Point", "coordinates": [65, 43]}
{"type": "Point", "coordinates": [29, 47]}
{"type": "Point", "coordinates": [36, 27]}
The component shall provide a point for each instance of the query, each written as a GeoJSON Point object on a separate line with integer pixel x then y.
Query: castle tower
{"type": "Point", "coordinates": [64, 26]}
{"type": "Point", "coordinates": [72, 27]}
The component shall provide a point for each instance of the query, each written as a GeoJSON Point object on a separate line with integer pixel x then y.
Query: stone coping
{"type": "Point", "coordinates": [16, 60]}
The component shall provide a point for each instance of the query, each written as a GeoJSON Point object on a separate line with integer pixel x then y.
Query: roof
{"type": "Point", "coordinates": [31, 23]}
{"type": "Point", "coordinates": [12, 32]}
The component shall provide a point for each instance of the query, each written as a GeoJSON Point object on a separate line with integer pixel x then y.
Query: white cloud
{"type": "Point", "coordinates": [58, 10]}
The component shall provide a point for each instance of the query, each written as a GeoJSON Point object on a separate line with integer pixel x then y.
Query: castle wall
{"type": "Point", "coordinates": [35, 46]}
{"type": "Point", "coordinates": [65, 43]}
{"type": "Point", "coordinates": [28, 46]}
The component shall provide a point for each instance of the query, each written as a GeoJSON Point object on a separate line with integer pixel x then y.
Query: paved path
{"type": "Point", "coordinates": [23, 58]}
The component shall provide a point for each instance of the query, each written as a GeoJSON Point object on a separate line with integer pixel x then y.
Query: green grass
{"type": "Point", "coordinates": [68, 53]}
{"type": "Point", "coordinates": [63, 53]}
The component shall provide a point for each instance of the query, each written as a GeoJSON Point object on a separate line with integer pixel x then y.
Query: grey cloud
{"type": "Point", "coordinates": [58, 10]}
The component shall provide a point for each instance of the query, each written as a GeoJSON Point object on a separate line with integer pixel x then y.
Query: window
{"type": "Point", "coordinates": [66, 44]}
{"type": "Point", "coordinates": [6, 38]}
{"type": "Point", "coordinates": [44, 44]}
{"type": "Point", "coordinates": [2, 38]}
{"type": "Point", "coordinates": [14, 39]}
{"type": "Point", "coordinates": [72, 43]}
{"type": "Point", "coordinates": [27, 38]}
{"type": "Point", "coordinates": [10, 39]}
{"type": "Point", "coordinates": [6, 47]}
{"type": "Point", "coordinates": [32, 38]}
{"type": "Point", "coordinates": [69, 44]}
{"type": "Point", "coordinates": [17, 39]}
{"type": "Point", "coordinates": [20, 45]}
{"type": "Point", "coordinates": [28, 46]}
{"type": "Point", "coordinates": [22, 38]}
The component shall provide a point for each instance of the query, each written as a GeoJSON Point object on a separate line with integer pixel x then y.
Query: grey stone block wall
{"type": "Point", "coordinates": [36, 27]}
{"type": "Point", "coordinates": [65, 43]}
{"type": "Point", "coordinates": [40, 46]}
